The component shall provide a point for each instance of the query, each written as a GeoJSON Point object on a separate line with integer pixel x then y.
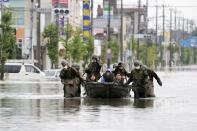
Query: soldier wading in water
{"type": "Point", "coordinates": [139, 77]}
{"type": "Point", "coordinates": [71, 79]}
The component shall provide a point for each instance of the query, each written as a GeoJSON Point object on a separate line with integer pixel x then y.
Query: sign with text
{"type": "Point", "coordinates": [86, 19]}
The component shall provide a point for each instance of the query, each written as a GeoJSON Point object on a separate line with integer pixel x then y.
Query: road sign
{"type": "Point", "coordinates": [190, 42]}
{"type": "Point", "coordinates": [142, 36]}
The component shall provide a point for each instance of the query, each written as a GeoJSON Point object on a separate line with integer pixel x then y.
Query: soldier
{"type": "Point", "coordinates": [139, 77]}
{"type": "Point", "coordinates": [69, 78]}
{"type": "Point", "coordinates": [93, 70]}
{"type": "Point", "coordinates": [150, 84]}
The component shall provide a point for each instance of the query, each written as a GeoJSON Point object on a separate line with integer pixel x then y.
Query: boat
{"type": "Point", "coordinates": [107, 90]}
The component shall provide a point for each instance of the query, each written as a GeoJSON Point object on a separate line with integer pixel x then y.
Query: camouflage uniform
{"type": "Point", "coordinates": [93, 69]}
{"type": "Point", "coordinates": [70, 78]}
{"type": "Point", "coordinates": [139, 78]}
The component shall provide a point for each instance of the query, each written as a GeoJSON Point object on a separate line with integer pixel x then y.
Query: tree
{"type": "Point", "coordinates": [7, 39]}
{"type": "Point", "coordinates": [88, 51]}
{"type": "Point", "coordinates": [114, 50]}
{"type": "Point", "coordinates": [51, 34]}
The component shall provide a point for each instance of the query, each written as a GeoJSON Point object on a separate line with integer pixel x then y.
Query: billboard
{"type": "Point", "coordinates": [86, 19]}
{"type": "Point", "coordinates": [190, 42]}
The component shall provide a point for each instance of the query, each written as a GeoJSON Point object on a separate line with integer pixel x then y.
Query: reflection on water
{"type": "Point", "coordinates": [108, 102]}
{"type": "Point", "coordinates": [41, 107]}
{"type": "Point", "coordinates": [143, 103]}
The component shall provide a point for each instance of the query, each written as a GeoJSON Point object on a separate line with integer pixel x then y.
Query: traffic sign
{"type": "Point", "coordinates": [142, 36]}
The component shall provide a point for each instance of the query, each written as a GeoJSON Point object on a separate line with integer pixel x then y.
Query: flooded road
{"type": "Point", "coordinates": [41, 107]}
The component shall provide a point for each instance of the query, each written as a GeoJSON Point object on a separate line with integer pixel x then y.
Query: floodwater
{"type": "Point", "coordinates": [34, 106]}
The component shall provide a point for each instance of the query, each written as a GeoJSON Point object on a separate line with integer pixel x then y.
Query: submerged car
{"type": "Point", "coordinates": [22, 71]}
{"type": "Point", "coordinates": [52, 75]}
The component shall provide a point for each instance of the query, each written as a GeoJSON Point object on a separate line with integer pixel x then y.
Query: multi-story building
{"type": "Point", "coordinates": [30, 18]}
{"type": "Point", "coordinates": [130, 23]}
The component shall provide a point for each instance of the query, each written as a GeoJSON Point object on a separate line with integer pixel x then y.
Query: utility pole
{"type": "Point", "coordinates": [175, 24]}
{"type": "Point", "coordinates": [183, 36]}
{"type": "Point", "coordinates": [139, 21]}
{"type": "Point", "coordinates": [187, 26]}
{"type": "Point", "coordinates": [31, 33]}
{"type": "Point", "coordinates": [121, 32]}
{"type": "Point", "coordinates": [161, 54]}
{"type": "Point", "coordinates": [109, 32]}
{"type": "Point", "coordinates": [92, 6]}
{"type": "Point", "coordinates": [146, 31]}
{"type": "Point", "coordinates": [156, 30]}
{"type": "Point", "coordinates": [170, 61]}
{"type": "Point", "coordinates": [183, 28]}
{"type": "Point", "coordinates": [67, 31]}
{"type": "Point", "coordinates": [38, 36]}
{"type": "Point", "coordinates": [109, 21]}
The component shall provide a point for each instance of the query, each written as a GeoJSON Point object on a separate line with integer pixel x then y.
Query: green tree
{"type": "Point", "coordinates": [88, 51]}
{"type": "Point", "coordinates": [7, 39]}
{"type": "Point", "coordinates": [51, 34]}
{"type": "Point", "coordinates": [114, 50]}
{"type": "Point", "coordinates": [75, 47]}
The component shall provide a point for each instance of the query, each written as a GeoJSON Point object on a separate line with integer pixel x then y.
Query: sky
{"type": "Point", "coordinates": [184, 8]}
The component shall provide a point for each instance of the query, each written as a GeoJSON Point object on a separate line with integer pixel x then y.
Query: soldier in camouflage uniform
{"type": "Point", "coordinates": [93, 70]}
{"type": "Point", "coordinates": [139, 77]}
{"type": "Point", "coordinates": [69, 77]}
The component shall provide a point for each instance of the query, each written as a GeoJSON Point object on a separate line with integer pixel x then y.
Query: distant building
{"type": "Point", "coordinates": [130, 23]}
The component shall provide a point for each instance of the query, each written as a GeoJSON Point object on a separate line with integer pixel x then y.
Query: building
{"type": "Point", "coordinates": [130, 24]}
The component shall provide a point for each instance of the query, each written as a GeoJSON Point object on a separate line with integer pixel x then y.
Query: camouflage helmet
{"type": "Point", "coordinates": [120, 64]}
{"type": "Point", "coordinates": [94, 57]}
{"type": "Point", "coordinates": [64, 62]}
{"type": "Point", "coordinates": [137, 63]}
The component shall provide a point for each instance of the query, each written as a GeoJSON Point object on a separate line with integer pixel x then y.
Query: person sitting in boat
{"type": "Point", "coordinates": [107, 76]}
{"type": "Point", "coordinates": [150, 84]}
{"type": "Point", "coordinates": [120, 70]}
{"type": "Point", "coordinates": [139, 77]}
{"type": "Point", "coordinates": [93, 70]}
{"type": "Point", "coordinates": [69, 77]}
{"type": "Point", "coordinates": [118, 79]}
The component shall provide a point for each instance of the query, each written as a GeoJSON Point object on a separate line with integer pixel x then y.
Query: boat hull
{"type": "Point", "coordinates": [107, 90]}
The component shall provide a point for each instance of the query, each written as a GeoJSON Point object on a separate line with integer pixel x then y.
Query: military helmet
{"type": "Point", "coordinates": [94, 57]}
{"type": "Point", "coordinates": [120, 64]}
{"type": "Point", "coordinates": [137, 63]}
{"type": "Point", "coordinates": [64, 62]}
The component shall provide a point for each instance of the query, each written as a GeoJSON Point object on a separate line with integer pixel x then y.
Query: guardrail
{"type": "Point", "coordinates": [179, 68]}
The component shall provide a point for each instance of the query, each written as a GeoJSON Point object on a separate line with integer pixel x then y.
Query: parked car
{"type": "Point", "coordinates": [22, 71]}
{"type": "Point", "coordinates": [52, 74]}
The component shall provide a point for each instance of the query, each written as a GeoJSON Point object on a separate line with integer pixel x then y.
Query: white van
{"type": "Point", "coordinates": [22, 71]}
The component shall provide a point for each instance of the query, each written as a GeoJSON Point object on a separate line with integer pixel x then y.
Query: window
{"type": "Point", "coordinates": [12, 68]}
{"type": "Point", "coordinates": [31, 69]}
